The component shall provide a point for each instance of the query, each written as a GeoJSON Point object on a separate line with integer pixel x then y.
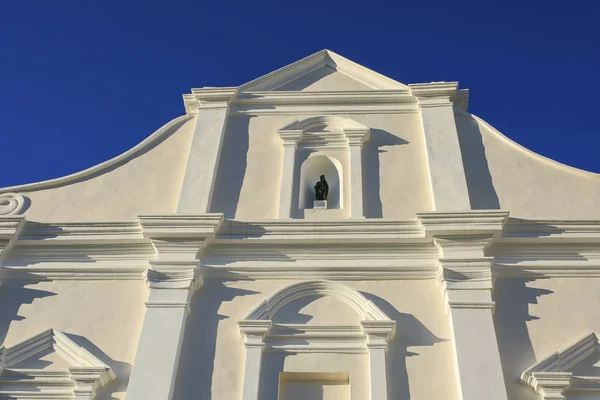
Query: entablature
{"type": "Point", "coordinates": [337, 249]}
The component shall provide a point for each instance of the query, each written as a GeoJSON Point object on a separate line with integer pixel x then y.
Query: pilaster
{"type": "Point", "coordinates": [172, 278]}
{"type": "Point", "coordinates": [465, 277]}
{"type": "Point", "coordinates": [290, 139]}
{"type": "Point", "coordinates": [254, 340]}
{"type": "Point", "coordinates": [356, 139]}
{"type": "Point", "coordinates": [211, 107]}
{"type": "Point", "coordinates": [379, 333]}
{"type": "Point", "coordinates": [447, 175]}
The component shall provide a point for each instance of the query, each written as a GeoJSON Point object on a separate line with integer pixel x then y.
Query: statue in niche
{"type": "Point", "coordinates": [321, 189]}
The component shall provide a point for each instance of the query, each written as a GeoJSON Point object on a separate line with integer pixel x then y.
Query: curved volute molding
{"type": "Point", "coordinates": [11, 204]}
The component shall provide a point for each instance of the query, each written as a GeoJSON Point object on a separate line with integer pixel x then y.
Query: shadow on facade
{"type": "Point", "coordinates": [232, 166]}
{"type": "Point", "coordinates": [513, 297]}
{"type": "Point", "coordinates": [482, 193]}
{"type": "Point", "coordinates": [200, 338]}
{"type": "Point", "coordinates": [13, 295]}
{"type": "Point", "coordinates": [371, 177]}
{"type": "Point", "coordinates": [409, 332]}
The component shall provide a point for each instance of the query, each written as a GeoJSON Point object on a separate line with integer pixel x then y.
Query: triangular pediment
{"type": "Point", "coordinates": [27, 367]}
{"type": "Point", "coordinates": [321, 72]}
{"type": "Point", "coordinates": [573, 369]}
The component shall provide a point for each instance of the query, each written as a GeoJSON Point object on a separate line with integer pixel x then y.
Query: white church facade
{"type": "Point", "coordinates": [447, 261]}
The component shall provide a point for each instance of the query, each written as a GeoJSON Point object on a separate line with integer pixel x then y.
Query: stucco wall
{"type": "Point", "coordinates": [502, 174]}
{"type": "Point", "coordinates": [148, 183]}
{"type": "Point", "coordinates": [420, 364]}
{"type": "Point", "coordinates": [537, 317]}
{"type": "Point", "coordinates": [395, 177]}
{"type": "Point", "coordinates": [105, 317]}
{"type": "Point", "coordinates": [324, 79]}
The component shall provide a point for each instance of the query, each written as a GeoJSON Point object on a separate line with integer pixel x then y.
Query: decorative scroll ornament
{"type": "Point", "coordinates": [11, 203]}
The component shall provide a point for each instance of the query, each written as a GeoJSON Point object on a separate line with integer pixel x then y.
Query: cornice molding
{"type": "Point", "coordinates": [463, 222]}
{"type": "Point", "coordinates": [391, 249]}
{"type": "Point", "coordinates": [325, 103]}
{"type": "Point", "coordinates": [178, 226]}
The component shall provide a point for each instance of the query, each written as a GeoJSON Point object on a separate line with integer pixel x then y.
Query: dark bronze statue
{"type": "Point", "coordinates": [321, 189]}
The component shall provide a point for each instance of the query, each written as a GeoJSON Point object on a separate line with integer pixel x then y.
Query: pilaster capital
{"type": "Point", "coordinates": [178, 239]}
{"type": "Point", "coordinates": [208, 98]}
{"type": "Point", "coordinates": [290, 137]}
{"type": "Point", "coordinates": [379, 333]}
{"type": "Point", "coordinates": [357, 136]}
{"type": "Point", "coordinates": [439, 94]}
{"type": "Point", "coordinates": [462, 238]}
{"type": "Point", "coordinates": [254, 332]}
{"type": "Point", "coordinates": [10, 228]}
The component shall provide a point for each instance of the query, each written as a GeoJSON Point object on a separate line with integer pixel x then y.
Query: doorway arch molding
{"type": "Point", "coordinates": [376, 329]}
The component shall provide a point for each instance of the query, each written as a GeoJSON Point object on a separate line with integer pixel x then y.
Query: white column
{"type": "Point", "coordinates": [466, 280]}
{"type": "Point", "coordinates": [290, 139]}
{"type": "Point", "coordinates": [205, 151]}
{"type": "Point", "coordinates": [379, 333]}
{"type": "Point", "coordinates": [254, 333]}
{"type": "Point", "coordinates": [173, 278]}
{"type": "Point", "coordinates": [157, 358]}
{"type": "Point", "coordinates": [356, 139]}
{"type": "Point", "coordinates": [356, 185]}
{"type": "Point", "coordinates": [447, 174]}
{"type": "Point", "coordinates": [465, 276]}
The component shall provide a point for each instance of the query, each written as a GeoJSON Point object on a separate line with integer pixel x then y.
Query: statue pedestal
{"type": "Point", "coordinates": [320, 205]}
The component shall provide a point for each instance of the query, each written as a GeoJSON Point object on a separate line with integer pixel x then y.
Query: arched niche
{"type": "Point", "coordinates": [321, 134]}
{"type": "Point", "coordinates": [310, 172]}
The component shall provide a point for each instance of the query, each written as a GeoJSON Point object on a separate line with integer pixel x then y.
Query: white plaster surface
{"type": "Point", "coordinates": [146, 184]}
{"type": "Point", "coordinates": [447, 176]}
{"type": "Point", "coordinates": [537, 317]}
{"type": "Point", "coordinates": [502, 174]}
{"type": "Point", "coordinates": [315, 390]}
{"type": "Point", "coordinates": [395, 177]}
{"type": "Point", "coordinates": [105, 317]}
{"type": "Point", "coordinates": [202, 161]}
{"type": "Point", "coordinates": [323, 79]}
{"type": "Point", "coordinates": [422, 345]}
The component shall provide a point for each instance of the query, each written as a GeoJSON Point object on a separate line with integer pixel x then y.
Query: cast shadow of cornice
{"type": "Point", "coordinates": [513, 297]}
{"type": "Point", "coordinates": [196, 365]}
{"type": "Point", "coordinates": [410, 332]}
{"type": "Point", "coordinates": [14, 294]}
{"type": "Point", "coordinates": [379, 140]}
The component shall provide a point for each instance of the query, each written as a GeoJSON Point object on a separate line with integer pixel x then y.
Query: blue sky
{"type": "Point", "coordinates": [83, 81]}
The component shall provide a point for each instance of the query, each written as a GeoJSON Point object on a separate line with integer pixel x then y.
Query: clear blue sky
{"type": "Point", "coordinates": [82, 81]}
